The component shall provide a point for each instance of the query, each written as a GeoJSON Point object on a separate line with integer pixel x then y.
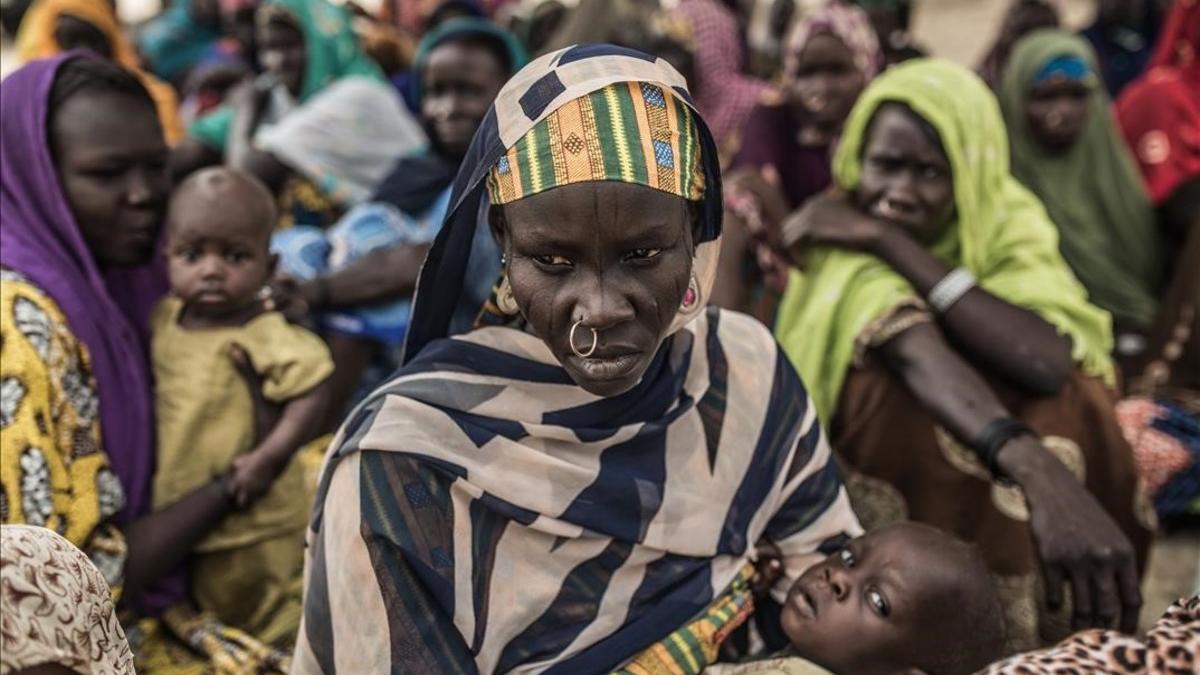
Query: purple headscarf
{"type": "Point", "coordinates": [107, 311]}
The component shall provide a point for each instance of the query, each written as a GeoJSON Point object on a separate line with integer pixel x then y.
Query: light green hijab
{"type": "Point", "coordinates": [1093, 192]}
{"type": "Point", "coordinates": [1001, 234]}
{"type": "Point", "coordinates": [332, 52]}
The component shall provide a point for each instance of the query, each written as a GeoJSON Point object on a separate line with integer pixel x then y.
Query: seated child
{"type": "Point", "coordinates": [247, 571]}
{"type": "Point", "coordinates": [906, 598]}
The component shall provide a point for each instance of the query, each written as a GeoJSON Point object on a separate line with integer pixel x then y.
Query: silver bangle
{"type": "Point", "coordinates": [950, 289]}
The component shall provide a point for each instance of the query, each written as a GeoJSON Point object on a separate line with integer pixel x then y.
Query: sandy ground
{"type": "Point", "coordinates": [960, 30]}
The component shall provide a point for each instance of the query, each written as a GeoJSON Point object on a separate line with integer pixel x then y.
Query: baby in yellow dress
{"type": "Point", "coordinates": [248, 570]}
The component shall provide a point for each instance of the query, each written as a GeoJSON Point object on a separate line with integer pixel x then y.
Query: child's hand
{"type": "Point", "coordinates": [252, 475]}
{"type": "Point", "coordinates": [768, 568]}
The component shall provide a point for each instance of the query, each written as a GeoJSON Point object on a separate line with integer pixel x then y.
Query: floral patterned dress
{"type": "Point", "coordinates": [54, 474]}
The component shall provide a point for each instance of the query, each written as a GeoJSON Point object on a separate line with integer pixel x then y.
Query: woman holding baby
{"type": "Point", "coordinates": [83, 197]}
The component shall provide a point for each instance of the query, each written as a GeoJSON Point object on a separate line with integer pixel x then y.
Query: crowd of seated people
{"type": "Point", "coordinates": [735, 336]}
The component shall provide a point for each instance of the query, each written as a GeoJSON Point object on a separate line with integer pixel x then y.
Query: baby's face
{"type": "Point", "coordinates": [217, 264]}
{"type": "Point", "coordinates": [871, 607]}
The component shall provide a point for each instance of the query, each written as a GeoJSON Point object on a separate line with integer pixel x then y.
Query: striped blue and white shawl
{"type": "Point", "coordinates": [482, 513]}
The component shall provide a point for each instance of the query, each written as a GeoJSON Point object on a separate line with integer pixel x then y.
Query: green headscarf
{"type": "Point", "coordinates": [332, 52]}
{"type": "Point", "coordinates": [1093, 192]}
{"type": "Point", "coordinates": [1001, 234]}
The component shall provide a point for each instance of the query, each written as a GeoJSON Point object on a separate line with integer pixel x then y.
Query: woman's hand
{"type": "Point", "coordinates": [1077, 541]}
{"type": "Point", "coordinates": [251, 477]}
{"type": "Point", "coordinates": [293, 298]}
{"type": "Point", "coordinates": [266, 413]}
{"type": "Point", "coordinates": [829, 220]}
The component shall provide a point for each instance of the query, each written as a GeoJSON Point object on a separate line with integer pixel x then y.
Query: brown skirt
{"type": "Point", "coordinates": [900, 464]}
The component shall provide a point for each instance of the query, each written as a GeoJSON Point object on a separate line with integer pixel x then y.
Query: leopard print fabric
{"type": "Point", "coordinates": [1171, 647]}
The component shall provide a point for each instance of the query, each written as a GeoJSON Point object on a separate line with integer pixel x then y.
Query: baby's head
{"type": "Point", "coordinates": [219, 228]}
{"type": "Point", "coordinates": [904, 598]}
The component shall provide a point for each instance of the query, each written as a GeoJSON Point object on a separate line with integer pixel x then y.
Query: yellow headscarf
{"type": "Point", "coordinates": [36, 40]}
{"type": "Point", "coordinates": [1002, 235]}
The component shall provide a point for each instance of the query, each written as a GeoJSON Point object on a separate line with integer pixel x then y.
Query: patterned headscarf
{"type": "Point", "coordinates": [632, 132]}
{"type": "Point", "coordinates": [57, 607]}
{"type": "Point", "coordinates": [534, 94]}
{"type": "Point", "coordinates": [849, 24]}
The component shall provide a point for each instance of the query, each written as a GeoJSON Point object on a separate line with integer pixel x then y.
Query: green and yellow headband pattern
{"type": "Point", "coordinates": [632, 132]}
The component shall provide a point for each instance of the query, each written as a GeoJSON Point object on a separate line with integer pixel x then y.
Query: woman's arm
{"type": "Point", "coordinates": [1014, 342]}
{"type": "Point", "coordinates": [1010, 340]}
{"type": "Point", "coordinates": [1077, 541]}
{"type": "Point", "coordinates": [380, 276]}
{"type": "Point", "coordinates": [159, 542]}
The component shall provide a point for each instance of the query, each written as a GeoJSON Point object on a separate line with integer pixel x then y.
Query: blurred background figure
{"type": "Point", "coordinates": [54, 26]}
{"type": "Point", "coordinates": [1023, 17]}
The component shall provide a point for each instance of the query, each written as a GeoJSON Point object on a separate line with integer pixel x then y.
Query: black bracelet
{"type": "Point", "coordinates": [995, 436]}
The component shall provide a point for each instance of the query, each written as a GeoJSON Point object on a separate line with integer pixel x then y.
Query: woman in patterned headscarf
{"type": "Point", "coordinates": [590, 469]}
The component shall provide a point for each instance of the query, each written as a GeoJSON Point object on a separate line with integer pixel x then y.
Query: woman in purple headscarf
{"type": "Point", "coordinates": [84, 189]}
{"type": "Point", "coordinates": [784, 150]}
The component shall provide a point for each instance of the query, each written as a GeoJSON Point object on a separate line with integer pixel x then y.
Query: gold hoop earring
{"type": "Point", "coordinates": [571, 339]}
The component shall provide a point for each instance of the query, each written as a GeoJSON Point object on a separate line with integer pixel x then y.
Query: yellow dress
{"type": "Point", "coordinates": [55, 474]}
{"type": "Point", "coordinates": [248, 571]}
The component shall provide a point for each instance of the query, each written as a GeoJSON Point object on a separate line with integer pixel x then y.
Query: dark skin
{"type": "Point", "coordinates": [899, 591]}
{"type": "Point", "coordinates": [823, 83]}
{"type": "Point", "coordinates": [1057, 113]}
{"type": "Point", "coordinates": [281, 51]}
{"type": "Point", "coordinates": [616, 256]}
{"type": "Point", "coordinates": [110, 158]}
{"type": "Point", "coordinates": [459, 83]}
{"type": "Point", "coordinates": [905, 198]}
{"type": "Point", "coordinates": [218, 260]}
{"type": "Point", "coordinates": [71, 32]}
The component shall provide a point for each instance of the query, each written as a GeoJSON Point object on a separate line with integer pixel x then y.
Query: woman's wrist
{"type": "Point", "coordinates": [1023, 460]}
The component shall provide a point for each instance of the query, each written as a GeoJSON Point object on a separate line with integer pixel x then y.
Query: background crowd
{"type": "Point", "coordinates": [214, 226]}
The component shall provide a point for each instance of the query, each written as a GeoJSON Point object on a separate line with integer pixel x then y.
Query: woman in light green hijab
{"type": "Point", "coordinates": [964, 375]}
{"type": "Point", "coordinates": [1066, 149]}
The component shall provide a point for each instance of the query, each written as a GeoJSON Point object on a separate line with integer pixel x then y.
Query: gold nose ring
{"type": "Point", "coordinates": [571, 339]}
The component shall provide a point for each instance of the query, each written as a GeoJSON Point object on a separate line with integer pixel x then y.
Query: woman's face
{"type": "Point", "coordinates": [1057, 112]}
{"type": "Point", "coordinates": [460, 81]}
{"type": "Point", "coordinates": [906, 178]}
{"type": "Point", "coordinates": [74, 33]}
{"type": "Point", "coordinates": [112, 164]}
{"type": "Point", "coordinates": [281, 53]}
{"type": "Point", "coordinates": [616, 256]}
{"type": "Point", "coordinates": [823, 84]}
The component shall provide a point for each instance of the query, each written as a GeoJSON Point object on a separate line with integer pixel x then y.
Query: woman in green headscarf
{"type": "Point", "coordinates": [321, 125]}
{"type": "Point", "coordinates": [1066, 149]}
{"type": "Point", "coordinates": [957, 357]}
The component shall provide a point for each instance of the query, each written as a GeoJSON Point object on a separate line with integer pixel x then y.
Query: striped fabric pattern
{"type": "Point", "coordinates": [483, 514]}
{"type": "Point", "coordinates": [633, 132]}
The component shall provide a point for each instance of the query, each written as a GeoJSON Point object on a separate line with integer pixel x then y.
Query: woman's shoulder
{"type": "Point", "coordinates": [27, 311]}
{"type": "Point", "coordinates": [738, 328]}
